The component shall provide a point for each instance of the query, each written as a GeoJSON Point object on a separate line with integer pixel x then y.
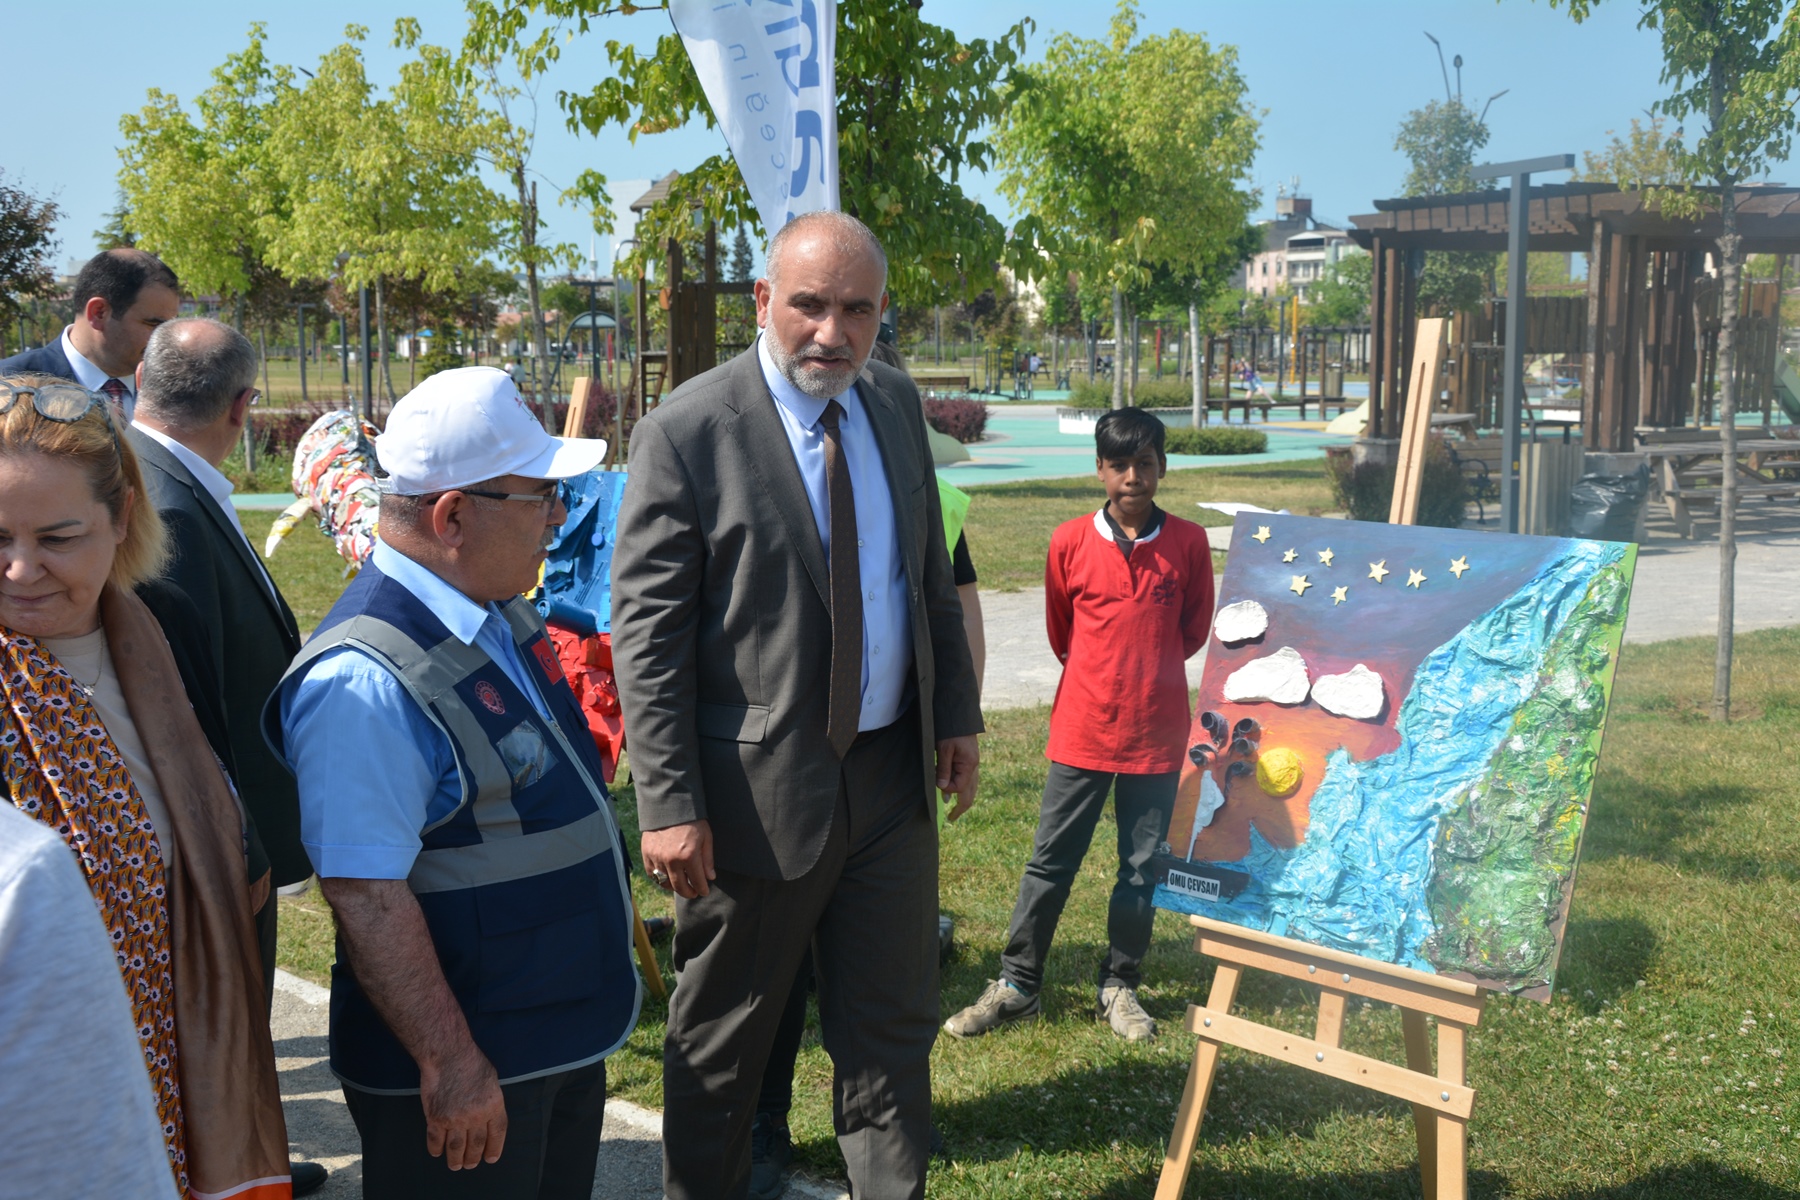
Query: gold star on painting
{"type": "Point", "coordinates": [1378, 571]}
{"type": "Point", "coordinates": [1339, 595]}
{"type": "Point", "coordinates": [1290, 556]}
{"type": "Point", "coordinates": [1299, 586]}
{"type": "Point", "coordinates": [1459, 565]}
{"type": "Point", "coordinates": [1325, 556]}
{"type": "Point", "coordinates": [1261, 534]}
{"type": "Point", "coordinates": [1414, 578]}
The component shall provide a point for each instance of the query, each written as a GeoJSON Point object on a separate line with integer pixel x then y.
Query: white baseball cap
{"type": "Point", "coordinates": [467, 425]}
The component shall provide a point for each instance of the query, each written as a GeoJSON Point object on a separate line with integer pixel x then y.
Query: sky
{"type": "Point", "coordinates": [1333, 81]}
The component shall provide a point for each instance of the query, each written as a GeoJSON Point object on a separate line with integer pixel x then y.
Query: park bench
{"type": "Point", "coordinates": [955, 385]}
{"type": "Point", "coordinates": [1479, 461]}
{"type": "Point", "coordinates": [1224, 405]}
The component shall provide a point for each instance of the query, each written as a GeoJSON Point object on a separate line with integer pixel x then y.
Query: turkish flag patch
{"type": "Point", "coordinates": [547, 660]}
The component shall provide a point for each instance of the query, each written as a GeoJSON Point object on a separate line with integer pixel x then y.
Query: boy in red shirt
{"type": "Point", "coordinates": [1128, 597]}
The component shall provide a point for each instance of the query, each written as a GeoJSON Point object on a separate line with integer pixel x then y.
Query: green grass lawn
{"type": "Point", "coordinates": [1009, 524]}
{"type": "Point", "coordinates": [1660, 1071]}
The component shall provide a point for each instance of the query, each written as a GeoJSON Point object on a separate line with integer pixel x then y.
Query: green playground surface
{"type": "Point", "coordinates": [1023, 443]}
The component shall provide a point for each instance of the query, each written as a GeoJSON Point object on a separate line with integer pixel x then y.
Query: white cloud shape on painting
{"type": "Point", "coordinates": [1240, 622]}
{"type": "Point", "coordinates": [1279, 677]}
{"type": "Point", "coordinates": [1357, 693]}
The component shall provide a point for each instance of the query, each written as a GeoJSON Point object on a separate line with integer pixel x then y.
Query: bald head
{"type": "Point", "coordinates": [193, 369]}
{"type": "Point", "coordinates": [839, 236]}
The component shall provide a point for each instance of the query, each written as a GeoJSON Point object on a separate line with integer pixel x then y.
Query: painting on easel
{"type": "Point", "coordinates": [1396, 742]}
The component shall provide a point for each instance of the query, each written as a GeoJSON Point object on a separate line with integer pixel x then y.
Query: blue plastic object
{"type": "Point", "coordinates": [577, 589]}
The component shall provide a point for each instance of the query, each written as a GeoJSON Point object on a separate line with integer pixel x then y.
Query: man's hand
{"type": "Point", "coordinates": [679, 857]}
{"type": "Point", "coordinates": [465, 1113]}
{"type": "Point", "coordinates": [959, 771]}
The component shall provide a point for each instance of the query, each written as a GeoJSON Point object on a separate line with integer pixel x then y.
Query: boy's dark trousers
{"type": "Point", "coordinates": [1073, 800]}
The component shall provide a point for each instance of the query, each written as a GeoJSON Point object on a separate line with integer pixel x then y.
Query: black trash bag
{"type": "Point", "coordinates": [1605, 507]}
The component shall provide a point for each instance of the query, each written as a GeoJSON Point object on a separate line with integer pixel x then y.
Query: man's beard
{"type": "Point", "coordinates": [819, 384]}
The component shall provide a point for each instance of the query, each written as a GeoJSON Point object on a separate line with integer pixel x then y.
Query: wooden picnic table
{"type": "Point", "coordinates": [1689, 474]}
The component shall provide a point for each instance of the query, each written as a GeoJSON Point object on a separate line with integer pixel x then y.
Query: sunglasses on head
{"type": "Point", "coordinates": [65, 403]}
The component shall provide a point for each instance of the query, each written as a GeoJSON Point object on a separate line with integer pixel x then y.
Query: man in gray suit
{"type": "Point", "coordinates": [795, 679]}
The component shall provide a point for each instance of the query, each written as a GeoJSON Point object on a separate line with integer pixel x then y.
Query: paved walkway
{"type": "Point", "coordinates": [1676, 595]}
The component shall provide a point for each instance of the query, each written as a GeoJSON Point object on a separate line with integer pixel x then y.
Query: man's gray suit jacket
{"type": "Point", "coordinates": [722, 617]}
{"type": "Point", "coordinates": [254, 637]}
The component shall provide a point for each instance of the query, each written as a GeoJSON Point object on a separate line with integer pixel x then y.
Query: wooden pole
{"type": "Point", "coordinates": [1421, 392]}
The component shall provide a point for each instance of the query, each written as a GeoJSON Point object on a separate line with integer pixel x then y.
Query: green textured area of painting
{"type": "Point", "coordinates": [1506, 850]}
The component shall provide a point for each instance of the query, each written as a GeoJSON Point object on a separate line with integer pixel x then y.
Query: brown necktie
{"type": "Point", "coordinates": [846, 591]}
{"type": "Point", "coordinates": [115, 391]}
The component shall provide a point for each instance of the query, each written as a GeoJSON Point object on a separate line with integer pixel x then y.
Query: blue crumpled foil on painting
{"type": "Point", "coordinates": [577, 587]}
{"type": "Point", "coordinates": [1358, 880]}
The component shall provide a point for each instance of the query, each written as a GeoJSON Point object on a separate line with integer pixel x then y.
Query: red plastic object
{"type": "Point", "coordinates": [587, 661]}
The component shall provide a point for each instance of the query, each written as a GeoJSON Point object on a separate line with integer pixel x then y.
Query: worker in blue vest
{"type": "Point", "coordinates": [452, 802]}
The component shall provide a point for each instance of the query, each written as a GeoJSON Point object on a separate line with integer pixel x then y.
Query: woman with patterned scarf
{"type": "Point", "coordinates": [107, 698]}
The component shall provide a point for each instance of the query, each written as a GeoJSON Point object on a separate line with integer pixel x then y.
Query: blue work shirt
{"type": "Point", "coordinates": [887, 624]}
{"type": "Point", "coordinates": [374, 770]}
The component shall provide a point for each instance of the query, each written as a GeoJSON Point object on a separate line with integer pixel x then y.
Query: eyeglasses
{"type": "Point", "coordinates": [66, 403]}
{"type": "Point", "coordinates": [545, 500]}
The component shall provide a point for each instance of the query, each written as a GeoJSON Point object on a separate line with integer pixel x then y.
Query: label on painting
{"type": "Point", "coordinates": [1197, 886]}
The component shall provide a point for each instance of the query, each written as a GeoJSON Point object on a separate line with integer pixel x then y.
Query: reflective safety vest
{"type": "Point", "coordinates": [955, 504]}
{"type": "Point", "coordinates": [522, 884]}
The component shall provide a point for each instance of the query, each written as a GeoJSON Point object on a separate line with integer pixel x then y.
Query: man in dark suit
{"type": "Point", "coordinates": [121, 296]}
{"type": "Point", "coordinates": [195, 389]}
{"type": "Point", "coordinates": [795, 680]}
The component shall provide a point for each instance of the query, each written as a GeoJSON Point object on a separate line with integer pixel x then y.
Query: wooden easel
{"type": "Point", "coordinates": [578, 406]}
{"type": "Point", "coordinates": [1441, 1099]}
{"type": "Point", "coordinates": [1421, 397]}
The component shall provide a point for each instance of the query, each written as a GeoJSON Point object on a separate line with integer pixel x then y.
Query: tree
{"type": "Point", "coordinates": [1133, 155]}
{"type": "Point", "coordinates": [204, 194]}
{"type": "Point", "coordinates": [1342, 296]}
{"type": "Point", "coordinates": [27, 239]}
{"type": "Point", "coordinates": [912, 101]}
{"type": "Point", "coordinates": [1441, 141]}
{"type": "Point", "coordinates": [117, 233]}
{"type": "Point", "coordinates": [378, 188]}
{"type": "Point", "coordinates": [1737, 64]}
{"type": "Point", "coordinates": [1644, 157]}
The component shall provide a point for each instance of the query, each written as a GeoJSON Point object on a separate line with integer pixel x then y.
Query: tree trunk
{"type": "Point", "coordinates": [381, 342]}
{"type": "Point", "coordinates": [1131, 384]}
{"type": "Point", "coordinates": [1196, 364]}
{"type": "Point", "coordinates": [528, 222]}
{"type": "Point", "coordinates": [1730, 271]}
{"type": "Point", "coordinates": [1118, 365]}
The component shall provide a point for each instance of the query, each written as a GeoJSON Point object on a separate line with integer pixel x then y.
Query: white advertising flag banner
{"type": "Point", "coordinates": [769, 70]}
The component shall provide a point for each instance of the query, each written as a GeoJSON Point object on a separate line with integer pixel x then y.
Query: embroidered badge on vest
{"type": "Point", "coordinates": [490, 698]}
{"type": "Point", "coordinates": [546, 658]}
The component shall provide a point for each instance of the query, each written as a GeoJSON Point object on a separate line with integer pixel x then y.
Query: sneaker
{"type": "Point", "coordinates": [1119, 1005]}
{"type": "Point", "coordinates": [1001, 1004]}
{"type": "Point", "coordinates": [771, 1153]}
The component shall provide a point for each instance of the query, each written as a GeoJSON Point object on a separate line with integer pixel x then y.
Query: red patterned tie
{"type": "Point", "coordinates": [115, 391]}
{"type": "Point", "coordinates": [845, 706]}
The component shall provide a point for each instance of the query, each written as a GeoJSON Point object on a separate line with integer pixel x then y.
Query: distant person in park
{"type": "Point", "coordinates": [196, 387]}
{"type": "Point", "coordinates": [451, 801]}
{"type": "Point", "coordinates": [80, 1118]}
{"type": "Point", "coordinates": [1128, 597]}
{"type": "Point", "coordinates": [797, 687]}
{"type": "Point", "coordinates": [120, 296]}
{"type": "Point", "coordinates": [771, 1144]}
{"type": "Point", "coordinates": [116, 740]}
{"type": "Point", "coordinates": [1253, 384]}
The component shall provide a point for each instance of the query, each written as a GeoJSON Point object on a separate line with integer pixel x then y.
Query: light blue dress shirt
{"type": "Point", "coordinates": [887, 623]}
{"type": "Point", "coordinates": [373, 769]}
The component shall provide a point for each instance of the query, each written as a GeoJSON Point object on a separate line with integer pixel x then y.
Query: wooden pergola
{"type": "Point", "coordinates": [1652, 299]}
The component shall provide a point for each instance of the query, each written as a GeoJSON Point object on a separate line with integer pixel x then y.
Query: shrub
{"type": "Point", "coordinates": [438, 358]}
{"type": "Point", "coordinates": [1151, 393]}
{"type": "Point", "coordinates": [1366, 492]}
{"type": "Point", "coordinates": [1216, 439]}
{"type": "Point", "coordinates": [964, 420]}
